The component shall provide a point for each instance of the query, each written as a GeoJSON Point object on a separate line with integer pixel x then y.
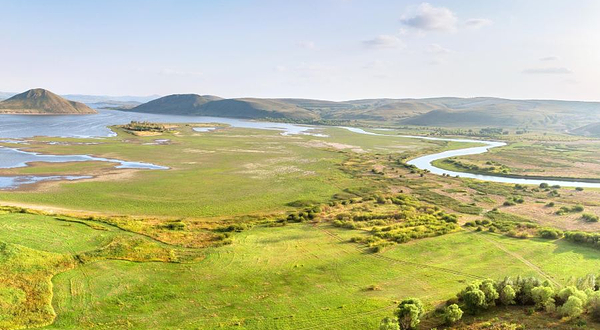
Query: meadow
{"type": "Point", "coordinates": [250, 229]}
{"type": "Point", "coordinates": [223, 173]}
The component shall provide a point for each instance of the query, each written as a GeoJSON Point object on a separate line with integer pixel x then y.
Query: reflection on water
{"type": "Point", "coordinates": [13, 182]}
{"type": "Point", "coordinates": [11, 158]}
{"type": "Point", "coordinates": [21, 126]}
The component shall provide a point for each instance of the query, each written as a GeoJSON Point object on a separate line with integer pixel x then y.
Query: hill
{"type": "Point", "coordinates": [42, 102]}
{"type": "Point", "coordinates": [208, 105]}
{"type": "Point", "coordinates": [592, 129]}
{"type": "Point", "coordinates": [437, 112]}
{"type": "Point", "coordinates": [177, 104]}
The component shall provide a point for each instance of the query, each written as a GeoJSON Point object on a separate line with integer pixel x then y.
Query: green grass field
{"type": "Point", "coordinates": [293, 277]}
{"type": "Point", "coordinates": [228, 172]}
{"type": "Point", "coordinates": [68, 267]}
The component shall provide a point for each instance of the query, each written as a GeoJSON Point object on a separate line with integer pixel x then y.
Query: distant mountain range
{"type": "Point", "coordinates": [437, 112]}
{"type": "Point", "coordinates": [576, 117]}
{"type": "Point", "coordinates": [40, 101]}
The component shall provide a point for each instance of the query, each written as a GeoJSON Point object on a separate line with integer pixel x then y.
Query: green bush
{"type": "Point", "coordinates": [588, 217]}
{"type": "Point", "coordinates": [452, 314]}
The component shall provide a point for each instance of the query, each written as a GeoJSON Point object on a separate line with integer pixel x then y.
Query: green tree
{"type": "Point", "coordinates": [389, 323]}
{"type": "Point", "coordinates": [542, 295]}
{"type": "Point", "coordinates": [507, 295]}
{"type": "Point", "coordinates": [409, 313]}
{"type": "Point", "coordinates": [594, 305]}
{"type": "Point", "coordinates": [490, 292]}
{"type": "Point", "coordinates": [569, 291]}
{"type": "Point", "coordinates": [572, 308]}
{"type": "Point", "coordinates": [474, 300]}
{"type": "Point", "coordinates": [452, 314]}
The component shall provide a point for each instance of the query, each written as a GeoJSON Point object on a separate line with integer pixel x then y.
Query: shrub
{"type": "Point", "coordinates": [452, 314]}
{"type": "Point", "coordinates": [409, 313]}
{"type": "Point", "coordinates": [473, 298]}
{"type": "Point", "coordinates": [572, 291]}
{"type": "Point", "coordinates": [572, 308]}
{"type": "Point", "coordinates": [588, 217]}
{"type": "Point", "coordinates": [542, 295]}
{"type": "Point", "coordinates": [507, 295]}
{"type": "Point", "coordinates": [389, 323]}
{"type": "Point", "coordinates": [550, 233]}
{"type": "Point", "coordinates": [594, 305]}
{"type": "Point", "coordinates": [175, 225]}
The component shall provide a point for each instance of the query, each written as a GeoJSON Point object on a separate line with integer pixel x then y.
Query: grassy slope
{"type": "Point", "coordinates": [296, 277]}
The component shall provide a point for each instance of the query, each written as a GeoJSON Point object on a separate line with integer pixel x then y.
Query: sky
{"type": "Point", "coordinates": [324, 49]}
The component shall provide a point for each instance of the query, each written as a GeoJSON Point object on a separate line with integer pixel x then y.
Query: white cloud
{"type": "Point", "coordinates": [384, 41]}
{"type": "Point", "coordinates": [438, 50]}
{"type": "Point", "coordinates": [306, 44]}
{"type": "Point", "coordinates": [429, 18]}
{"type": "Point", "coordinates": [549, 58]}
{"type": "Point", "coordinates": [547, 71]}
{"type": "Point", "coordinates": [476, 23]}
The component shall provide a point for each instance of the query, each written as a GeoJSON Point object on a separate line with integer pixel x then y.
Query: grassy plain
{"type": "Point", "coordinates": [298, 276]}
{"type": "Point", "coordinates": [153, 267]}
{"type": "Point", "coordinates": [223, 173]}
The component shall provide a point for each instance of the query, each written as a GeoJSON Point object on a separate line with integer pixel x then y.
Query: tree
{"type": "Point", "coordinates": [474, 300]}
{"type": "Point", "coordinates": [594, 305]}
{"type": "Point", "coordinates": [389, 323]}
{"type": "Point", "coordinates": [570, 291]}
{"type": "Point", "coordinates": [507, 295]}
{"type": "Point", "coordinates": [452, 314]}
{"type": "Point", "coordinates": [525, 286]}
{"type": "Point", "coordinates": [572, 308]}
{"type": "Point", "coordinates": [409, 313]}
{"type": "Point", "coordinates": [542, 295]}
{"type": "Point", "coordinates": [490, 292]}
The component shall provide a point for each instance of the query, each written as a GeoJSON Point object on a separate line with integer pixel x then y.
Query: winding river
{"type": "Point", "coordinates": [425, 162]}
{"type": "Point", "coordinates": [96, 126]}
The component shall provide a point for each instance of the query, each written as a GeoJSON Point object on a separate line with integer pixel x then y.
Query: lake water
{"type": "Point", "coordinates": [13, 182]}
{"type": "Point", "coordinates": [16, 126]}
{"type": "Point", "coordinates": [95, 126]}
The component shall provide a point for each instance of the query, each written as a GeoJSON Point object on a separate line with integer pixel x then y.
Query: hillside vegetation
{"type": "Point", "coordinates": [41, 101]}
{"type": "Point", "coordinates": [434, 112]}
{"type": "Point", "coordinates": [207, 105]}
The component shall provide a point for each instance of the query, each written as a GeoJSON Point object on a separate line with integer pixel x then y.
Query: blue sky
{"type": "Point", "coordinates": [328, 49]}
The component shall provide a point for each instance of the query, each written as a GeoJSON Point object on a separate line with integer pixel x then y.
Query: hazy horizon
{"type": "Point", "coordinates": [331, 49]}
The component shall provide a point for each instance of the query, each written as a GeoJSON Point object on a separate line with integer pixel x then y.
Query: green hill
{"type": "Point", "coordinates": [177, 104]}
{"type": "Point", "coordinates": [42, 102]}
{"type": "Point", "coordinates": [206, 105]}
{"type": "Point", "coordinates": [592, 129]}
{"type": "Point", "coordinates": [438, 112]}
